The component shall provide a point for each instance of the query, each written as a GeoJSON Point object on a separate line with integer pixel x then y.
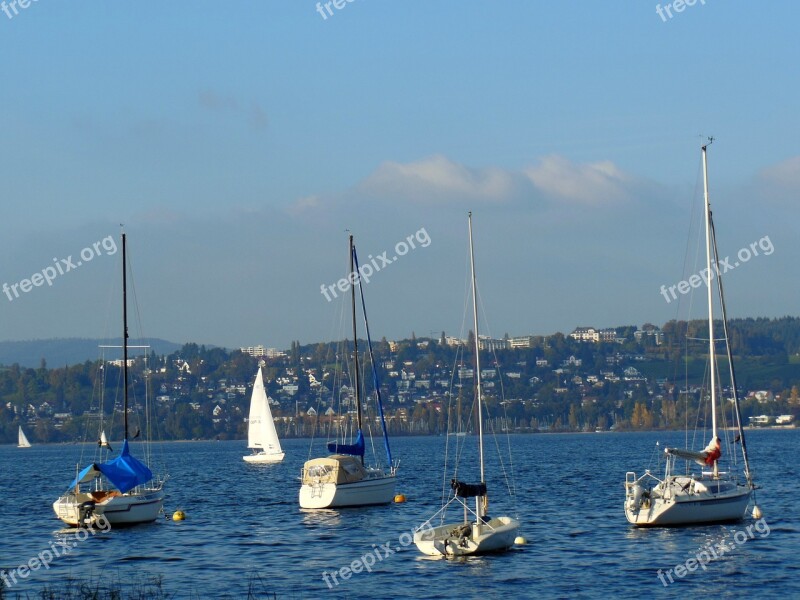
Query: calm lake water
{"type": "Point", "coordinates": [245, 532]}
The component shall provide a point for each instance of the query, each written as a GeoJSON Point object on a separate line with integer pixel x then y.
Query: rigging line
{"type": "Point", "coordinates": [730, 361]}
{"type": "Point", "coordinates": [375, 380]}
{"type": "Point", "coordinates": [502, 395]}
{"type": "Point", "coordinates": [460, 354]}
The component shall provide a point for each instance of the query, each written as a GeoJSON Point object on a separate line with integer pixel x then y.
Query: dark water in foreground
{"type": "Point", "coordinates": [244, 530]}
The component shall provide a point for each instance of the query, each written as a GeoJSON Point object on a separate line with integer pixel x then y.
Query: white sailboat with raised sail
{"type": "Point", "coordinates": [261, 435]}
{"type": "Point", "coordinates": [123, 490]}
{"type": "Point", "coordinates": [343, 479]}
{"type": "Point", "coordinates": [477, 533]}
{"type": "Point", "coordinates": [712, 495]}
{"type": "Point", "coordinates": [23, 439]}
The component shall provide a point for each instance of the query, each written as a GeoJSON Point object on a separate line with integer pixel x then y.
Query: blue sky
{"type": "Point", "coordinates": [238, 141]}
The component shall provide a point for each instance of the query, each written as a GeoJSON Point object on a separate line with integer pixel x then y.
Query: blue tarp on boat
{"type": "Point", "coordinates": [124, 472]}
{"type": "Point", "coordinates": [356, 449]}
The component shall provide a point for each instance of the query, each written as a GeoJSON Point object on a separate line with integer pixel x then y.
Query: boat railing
{"type": "Point", "coordinates": [443, 509]}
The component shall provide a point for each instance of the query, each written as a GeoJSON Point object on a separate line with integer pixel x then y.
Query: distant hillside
{"type": "Point", "coordinates": [68, 351]}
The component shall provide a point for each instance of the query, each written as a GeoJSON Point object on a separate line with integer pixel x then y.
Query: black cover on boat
{"type": "Point", "coordinates": [468, 490]}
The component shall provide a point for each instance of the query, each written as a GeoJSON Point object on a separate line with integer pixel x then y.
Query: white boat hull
{"type": "Point", "coordinates": [681, 500]}
{"type": "Point", "coordinates": [263, 457]}
{"type": "Point", "coordinates": [497, 535]}
{"type": "Point", "coordinates": [122, 509]}
{"type": "Point", "coordinates": [367, 492]}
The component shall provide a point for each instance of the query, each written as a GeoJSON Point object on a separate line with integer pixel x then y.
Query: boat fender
{"type": "Point", "coordinates": [635, 498]}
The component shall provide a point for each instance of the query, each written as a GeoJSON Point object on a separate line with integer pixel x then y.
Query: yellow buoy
{"type": "Point", "coordinates": [756, 512]}
{"type": "Point", "coordinates": [520, 541]}
{"type": "Point", "coordinates": [400, 498]}
{"type": "Point", "coordinates": [178, 515]}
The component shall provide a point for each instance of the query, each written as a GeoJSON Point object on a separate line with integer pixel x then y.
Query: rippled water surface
{"type": "Point", "coordinates": [245, 532]}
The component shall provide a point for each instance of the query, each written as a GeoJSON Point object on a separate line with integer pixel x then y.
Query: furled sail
{"type": "Point", "coordinates": [124, 472]}
{"type": "Point", "coordinates": [355, 449]}
{"type": "Point", "coordinates": [468, 490]}
{"type": "Point", "coordinates": [707, 457]}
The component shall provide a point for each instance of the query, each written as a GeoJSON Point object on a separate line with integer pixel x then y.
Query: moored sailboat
{"type": "Point", "coordinates": [123, 490]}
{"type": "Point", "coordinates": [712, 495]}
{"type": "Point", "coordinates": [343, 479]}
{"type": "Point", "coordinates": [261, 435]}
{"type": "Point", "coordinates": [477, 533]}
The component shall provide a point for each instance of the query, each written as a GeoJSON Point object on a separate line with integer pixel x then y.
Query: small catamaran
{"type": "Point", "coordinates": [122, 490]}
{"type": "Point", "coordinates": [261, 435]}
{"type": "Point", "coordinates": [23, 440]}
{"type": "Point", "coordinates": [477, 533]}
{"type": "Point", "coordinates": [712, 495]}
{"type": "Point", "coordinates": [342, 479]}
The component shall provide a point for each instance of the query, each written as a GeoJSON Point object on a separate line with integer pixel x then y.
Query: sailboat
{"type": "Point", "coordinates": [343, 479]}
{"type": "Point", "coordinates": [477, 533]}
{"type": "Point", "coordinates": [712, 495]}
{"type": "Point", "coordinates": [23, 440]}
{"type": "Point", "coordinates": [261, 435]}
{"type": "Point", "coordinates": [123, 490]}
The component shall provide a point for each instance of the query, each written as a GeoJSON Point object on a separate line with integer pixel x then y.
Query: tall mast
{"type": "Point", "coordinates": [477, 347]}
{"type": "Point", "coordinates": [711, 353]}
{"type": "Point", "coordinates": [355, 338]}
{"type": "Point", "coordinates": [124, 338]}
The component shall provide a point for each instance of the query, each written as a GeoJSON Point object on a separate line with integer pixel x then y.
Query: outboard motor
{"type": "Point", "coordinates": [86, 513]}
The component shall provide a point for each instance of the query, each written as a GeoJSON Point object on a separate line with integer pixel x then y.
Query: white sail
{"type": "Point", "coordinates": [261, 434]}
{"type": "Point", "coordinates": [23, 441]}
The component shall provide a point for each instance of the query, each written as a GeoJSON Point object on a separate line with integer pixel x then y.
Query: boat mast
{"type": "Point", "coordinates": [124, 338]}
{"type": "Point", "coordinates": [711, 353]}
{"type": "Point", "coordinates": [355, 339]}
{"type": "Point", "coordinates": [477, 348]}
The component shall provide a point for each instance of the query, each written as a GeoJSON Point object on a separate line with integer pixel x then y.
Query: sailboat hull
{"type": "Point", "coordinates": [497, 535]}
{"type": "Point", "coordinates": [263, 457]}
{"type": "Point", "coordinates": [682, 500]}
{"type": "Point", "coordinates": [367, 492]}
{"type": "Point", "coordinates": [117, 509]}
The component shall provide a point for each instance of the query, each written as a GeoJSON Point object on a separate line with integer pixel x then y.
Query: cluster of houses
{"type": "Point", "coordinates": [304, 388]}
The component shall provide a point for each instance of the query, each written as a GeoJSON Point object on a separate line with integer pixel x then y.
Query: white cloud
{"type": "Point", "coordinates": [438, 180]}
{"type": "Point", "coordinates": [589, 183]}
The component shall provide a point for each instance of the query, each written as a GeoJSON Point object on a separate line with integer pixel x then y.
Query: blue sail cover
{"type": "Point", "coordinates": [356, 449]}
{"type": "Point", "coordinates": [124, 472]}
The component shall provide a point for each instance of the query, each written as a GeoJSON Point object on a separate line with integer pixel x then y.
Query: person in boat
{"type": "Point", "coordinates": [713, 452]}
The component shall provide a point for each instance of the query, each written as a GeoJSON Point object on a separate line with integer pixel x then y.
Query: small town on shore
{"type": "Point", "coordinates": [590, 380]}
